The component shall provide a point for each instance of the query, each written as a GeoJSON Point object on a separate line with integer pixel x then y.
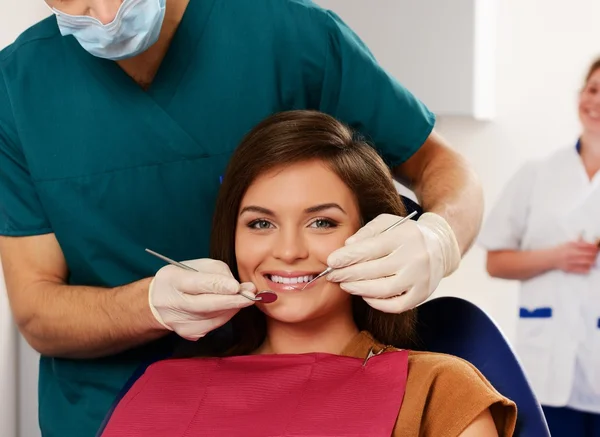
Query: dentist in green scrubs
{"type": "Point", "coordinates": [117, 120]}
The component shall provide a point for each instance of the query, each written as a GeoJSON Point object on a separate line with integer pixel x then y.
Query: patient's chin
{"type": "Point", "coordinates": [289, 310]}
{"type": "Point", "coordinates": [302, 307]}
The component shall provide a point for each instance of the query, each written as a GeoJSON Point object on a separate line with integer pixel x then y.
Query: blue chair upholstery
{"type": "Point", "coordinates": [457, 327]}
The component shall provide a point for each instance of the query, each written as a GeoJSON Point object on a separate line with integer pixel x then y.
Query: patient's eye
{"type": "Point", "coordinates": [323, 223]}
{"type": "Point", "coordinates": [260, 224]}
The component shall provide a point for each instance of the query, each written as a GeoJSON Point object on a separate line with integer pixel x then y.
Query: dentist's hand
{"type": "Point", "coordinates": [399, 269]}
{"type": "Point", "coordinates": [194, 303]}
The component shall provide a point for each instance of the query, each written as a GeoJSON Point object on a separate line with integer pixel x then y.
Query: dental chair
{"type": "Point", "coordinates": [457, 327]}
{"type": "Point", "coordinates": [454, 326]}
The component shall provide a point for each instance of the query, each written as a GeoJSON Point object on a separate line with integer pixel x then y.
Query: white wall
{"type": "Point", "coordinates": [544, 47]}
{"type": "Point", "coordinates": [18, 413]}
{"type": "Point", "coordinates": [459, 33]}
{"type": "Point", "coordinates": [8, 367]}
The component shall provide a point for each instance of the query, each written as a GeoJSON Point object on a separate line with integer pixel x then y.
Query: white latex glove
{"type": "Point", "coordinates": [194, 303]}
{"type": "Point", "coordinates": [399, 269]}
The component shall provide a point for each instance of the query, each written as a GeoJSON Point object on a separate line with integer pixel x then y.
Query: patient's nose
{"type": "Point", "coordinates": [290, 246]}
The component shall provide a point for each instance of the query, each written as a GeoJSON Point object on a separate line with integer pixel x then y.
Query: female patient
{"type": "Point", "coordinates": [297, 187]}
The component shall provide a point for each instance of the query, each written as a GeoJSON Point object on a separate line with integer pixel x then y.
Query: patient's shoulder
{"type": "Point", "coordinates": [448, 376]}
{"type": "Point", "coordinates": [444, 394]}
{"type": "Point", "coordinates": [447, 367]}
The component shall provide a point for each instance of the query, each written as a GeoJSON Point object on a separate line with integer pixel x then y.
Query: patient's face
{"type": "Point", "coordinates": [589, 104]}
{"type": "Point", "coordinates": [290, 220]}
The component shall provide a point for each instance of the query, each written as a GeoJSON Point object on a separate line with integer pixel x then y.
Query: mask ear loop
{"type": "Point", "coordinates": [53, 10]}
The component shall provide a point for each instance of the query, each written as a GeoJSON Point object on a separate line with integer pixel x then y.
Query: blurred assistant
{"type": "Point", "coordinates": [544, 231]}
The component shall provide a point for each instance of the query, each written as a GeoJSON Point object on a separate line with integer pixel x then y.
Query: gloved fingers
{"type": "Point", "coordinates": [248, 286]}
{"type": "Point", "coordinates": [407, 235]}
{"type": "Point", "coordinates": [208, 265]}
{"type": "Point", "coordinates": [368, 249]}
{"type": "Point", "coordinates": [193, 330]}
{"type": "Point", "coordinates": [373, 228]}
{"type": "Point", "coordinates": [378, 268]}
{"type": "Point", "coordinates": [212, 305]}
{"type": "Point", "coordinates": [396, 304]}
{"type": "Point", "coordinates": [203, 283]}
{"type": "Point", "coordinates": [381, 288]}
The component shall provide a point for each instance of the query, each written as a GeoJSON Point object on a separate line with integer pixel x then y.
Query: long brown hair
{"type": "Point", "coordinates": [285, 139]}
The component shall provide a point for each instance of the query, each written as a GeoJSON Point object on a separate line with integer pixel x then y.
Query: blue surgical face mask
{"type": "Point", "coordinates": [135, 28]}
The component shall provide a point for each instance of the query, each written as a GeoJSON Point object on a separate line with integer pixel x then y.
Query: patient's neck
{"type": "Point", "coordinates": [328, 335]}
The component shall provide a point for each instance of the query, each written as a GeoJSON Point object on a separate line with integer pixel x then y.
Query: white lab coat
{"type": "Point", "coordinates": [547, 203]}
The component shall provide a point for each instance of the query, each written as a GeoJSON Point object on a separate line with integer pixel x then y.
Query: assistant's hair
{"type": "Point", "coordinates": [592, 69]}
{"type": "Point", "coordinates": [285, 139]}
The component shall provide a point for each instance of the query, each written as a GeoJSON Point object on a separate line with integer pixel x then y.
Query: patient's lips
{"type": "Point", "coordinates": [289, 281]}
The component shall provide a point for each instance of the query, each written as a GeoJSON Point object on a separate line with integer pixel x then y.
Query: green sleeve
{"type": "Point", "coordinates": [21, 213]}
{"type": "Point", "coordinates": [359, 92]}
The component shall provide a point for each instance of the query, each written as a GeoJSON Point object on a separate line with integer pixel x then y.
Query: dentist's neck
{"type": "Point", "coordinates": [327, 335]}
{"type": "Point", "coordinates": [143, 67]}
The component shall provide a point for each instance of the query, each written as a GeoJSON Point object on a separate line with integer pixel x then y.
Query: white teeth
{"type": "Point", "coordinates": [295, 280]}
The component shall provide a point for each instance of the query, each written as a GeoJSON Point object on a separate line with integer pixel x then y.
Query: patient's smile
{"type": "Point", "coordinates": [289, 281]}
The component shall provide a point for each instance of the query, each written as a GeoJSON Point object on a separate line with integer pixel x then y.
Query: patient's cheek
{"type": "Point", "coordinates": [242, 271]}
{"type": "Point", "coordinates": [242, 274]}
{"type": "Point", "coordinates": [246, 262]}
{"type": "Point", "coordinates": [325, 245]}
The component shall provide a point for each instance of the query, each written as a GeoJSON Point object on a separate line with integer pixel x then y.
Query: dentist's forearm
{"type": "Point", "coordinates": [68, 321]}
{"type": "Point", "coordinates": [86, 322]}
{"type": "Point", "coordinates": [447, 185]}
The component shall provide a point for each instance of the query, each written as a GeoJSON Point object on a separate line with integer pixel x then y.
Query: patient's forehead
{"type": "Point", "coordinates": [299, 185]}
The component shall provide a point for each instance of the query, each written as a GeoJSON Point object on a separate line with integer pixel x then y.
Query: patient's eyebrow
{"type": "Point", "coordinates": [323, 207]}
{"type": "Point", "coordinates": [257, 209]}
{"type": "Point", "coordinates": [311, 210]}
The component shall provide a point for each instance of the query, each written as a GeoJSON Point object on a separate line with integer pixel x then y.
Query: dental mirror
{"type": "Point", "coordinates": [265, 296]}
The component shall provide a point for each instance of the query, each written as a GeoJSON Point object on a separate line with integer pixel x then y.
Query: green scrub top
{"type": "Point", "coordinates": [111, 169]}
